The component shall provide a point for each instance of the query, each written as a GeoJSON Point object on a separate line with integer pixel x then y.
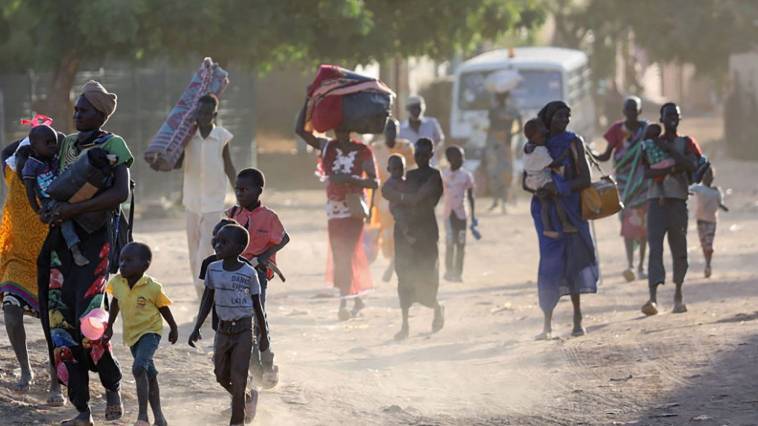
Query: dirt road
{"type": "Point", "coordinates": [483, 368]}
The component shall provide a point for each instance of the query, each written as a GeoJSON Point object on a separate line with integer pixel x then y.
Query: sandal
{"type": "Point", "coordinates": [629, 275]}
{"type": "Point", "coordinates": [114, 408]}
{"type": "Point", "coordinates": [649, 308]}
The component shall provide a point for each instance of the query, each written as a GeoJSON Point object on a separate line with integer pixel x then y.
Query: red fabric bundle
{"type": "Point", "coordinates": [325, 110]}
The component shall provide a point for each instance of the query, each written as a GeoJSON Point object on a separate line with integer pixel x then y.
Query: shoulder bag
{"type": "Point", "coordinates": [601, 199]}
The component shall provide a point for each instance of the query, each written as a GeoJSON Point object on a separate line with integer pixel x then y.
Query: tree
{"type": "Point", "coordinates": [704, 33]}
{"type": "Point", "coordinates": [62, 36]}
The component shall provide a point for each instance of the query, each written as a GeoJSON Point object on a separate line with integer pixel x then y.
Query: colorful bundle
{"type": "Point", "coordinates": [168, 144]}
{"type": "Point", "coordinates": [342, 99]}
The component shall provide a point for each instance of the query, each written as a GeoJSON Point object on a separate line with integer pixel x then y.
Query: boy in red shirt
{"type": "Point", "coordinates": [267, 236]}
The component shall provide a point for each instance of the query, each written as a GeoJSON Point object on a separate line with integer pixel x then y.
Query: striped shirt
{"type": "Point", "coordinates": [233, 290]}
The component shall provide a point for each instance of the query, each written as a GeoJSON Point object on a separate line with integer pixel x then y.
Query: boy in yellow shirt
{"type": "Point", "coordinates": [142, 302]}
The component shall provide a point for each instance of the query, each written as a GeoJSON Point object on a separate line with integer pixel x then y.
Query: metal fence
{"type": "Point", "coordinates": [145, 96]}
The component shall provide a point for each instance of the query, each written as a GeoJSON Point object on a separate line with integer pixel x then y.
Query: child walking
{"type": "Point", "coordinates": [267, 237]}
{"type": "Point", "coordinates": [538, 168]}
{"type": "Point", "coordinates": [142, 303]}
{"type": "Point", "coordinates": [458, 183]}
{"type": "Point", "coordinates": [708, 200]}
{"type": "Point", "coordinates": [40, 170]}
{"type": "Point", "coordinates": [232, 287]}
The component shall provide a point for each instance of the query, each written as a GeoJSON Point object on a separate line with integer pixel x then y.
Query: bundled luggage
{"type": "Point", "coordinates": [339, 99]}
{"type": "Point", "coordinates": [168, 144]}
{"type": "Point", "coordinates": [87, 176]}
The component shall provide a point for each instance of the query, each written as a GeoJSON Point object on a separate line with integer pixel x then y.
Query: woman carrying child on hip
{"type": "Point", "coordinates": [68, 291]}
{"type": "Point", "coordinates": [567, 265]}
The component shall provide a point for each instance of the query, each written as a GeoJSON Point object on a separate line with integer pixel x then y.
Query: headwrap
{"type": "Point", "coordinates": [416, 100]}
{"type": "Point", "coordinates": [103, 101]}
{"type": "Point", "coordinates": [548, 111]}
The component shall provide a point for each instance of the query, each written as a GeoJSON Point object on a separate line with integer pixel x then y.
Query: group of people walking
{"type": "Point", "coordinates": [56, 256]}
{"type": "Point", "coordinates": [395, 182]}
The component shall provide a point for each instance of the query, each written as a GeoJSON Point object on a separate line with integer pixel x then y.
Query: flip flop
{"type": "Point", "coordinates": [649, 309]}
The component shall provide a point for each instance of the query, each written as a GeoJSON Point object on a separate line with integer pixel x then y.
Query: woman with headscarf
{"type": "Point", "coordinates": [69, 292]}
{"type": "Point", "coordinates": [349, 169]}
{"type": "Point", "coordinates": [21, 237]}
{"type": "Point", "coordinates": [567, 264]}
{"type": "Point", "coordinates": [625, 145]}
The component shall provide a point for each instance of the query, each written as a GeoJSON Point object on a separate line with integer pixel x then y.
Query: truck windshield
{"type": "Point", "coordinates": [537, 88]}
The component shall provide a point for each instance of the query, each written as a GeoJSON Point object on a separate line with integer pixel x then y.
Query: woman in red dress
{"type": "Point", "coordinates": [349, 169]}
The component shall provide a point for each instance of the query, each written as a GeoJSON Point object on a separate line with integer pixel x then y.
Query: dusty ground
{"type": "Point", "coordinates": [483, 368]}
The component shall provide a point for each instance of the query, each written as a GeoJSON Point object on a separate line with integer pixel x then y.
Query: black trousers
{"type": "Point", "coordinates": [667, 217]}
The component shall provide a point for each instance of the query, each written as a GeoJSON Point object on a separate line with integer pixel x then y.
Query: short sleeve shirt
{"type": "Point", "coordinates": [536, 167]}
{"type": "Point", "coordinates": [676, 185]}
{"type": "Point", "coordinates": [429, 128]}
{"type": "Point", "coordinates": [456, 183]}
{"type": "Point", "coordinates": [264, 227]}
{"type": "Point", "coordinates": [233, 290]}
{"type": "Point", "coordinates": [42, 173]}
{"type": "Point", "coordinates": [139, 306]}
{"type": "Point", "coordinates": [205, 180]}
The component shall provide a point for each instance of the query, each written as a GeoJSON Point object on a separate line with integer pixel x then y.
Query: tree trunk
{"type": "Point", "coordinates": [58, 103]}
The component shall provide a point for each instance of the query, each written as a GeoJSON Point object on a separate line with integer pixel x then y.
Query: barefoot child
{"type": "Point", "coordinates": [458, 184]}
{"type": "Point", "coordinates": [267, 237]}
{"type": "Point", "coordinates": [708, 200]}
{"type": "Point", "coordinates": [538, 165]}
{"type": "Point", "coordinates": [232, 287]}
{"type": "Point", "coordinates": [40, 170]}
{"type": "Point", "coordinates": [142, 303]}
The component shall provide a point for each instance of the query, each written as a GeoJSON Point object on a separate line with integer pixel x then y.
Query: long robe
{"type": "Point", "coordinates": [417, 261]}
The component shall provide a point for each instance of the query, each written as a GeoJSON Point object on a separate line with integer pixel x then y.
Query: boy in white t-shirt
{"type": "Point", "coordinates": [708, 200]}
{"type": "Point", "coordinates": [458, 183]}
{"type": "Point", "coordinates": [207, 164]}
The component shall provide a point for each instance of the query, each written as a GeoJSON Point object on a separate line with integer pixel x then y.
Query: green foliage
{"type": "Point", "coordinates": [255, 33]}
{"type": "Point", "coordinates": [700, 32]}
